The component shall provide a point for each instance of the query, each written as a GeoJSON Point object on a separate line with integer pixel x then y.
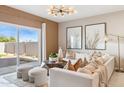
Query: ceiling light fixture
{"type": "Point", "coordinates": [61, 10]}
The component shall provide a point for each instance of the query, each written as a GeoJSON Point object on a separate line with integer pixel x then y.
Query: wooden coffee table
{"type": "Point", "coordinates": [50, 64]}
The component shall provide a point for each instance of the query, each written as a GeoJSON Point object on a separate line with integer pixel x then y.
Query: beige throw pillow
{"type": "Point", "coordinates": [105, 57]}
{"type": "Point", "coordinates": [100, 61]}
{"type": "Point", "coordinates": [85, 61]}
{"type": "Point", "coordinates": [89, 69]}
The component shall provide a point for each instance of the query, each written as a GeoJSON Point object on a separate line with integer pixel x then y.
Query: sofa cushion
{"type": "Point", "coordinates": [84, 70]}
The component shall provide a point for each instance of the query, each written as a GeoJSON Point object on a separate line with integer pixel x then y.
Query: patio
{"type": "Point", "coordinates": [28, 52]}
{"type": "Point", "coordinates": [11, 69]}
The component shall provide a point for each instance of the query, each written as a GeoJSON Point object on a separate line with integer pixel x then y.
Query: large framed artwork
{"type": "Point", "coordinates": [74, 37]}
{"type": "Point", "coordinates": [95, 36]}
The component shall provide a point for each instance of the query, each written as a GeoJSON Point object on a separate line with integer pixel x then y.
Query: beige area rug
{"type": "Point", "coordinates": [12, 78]}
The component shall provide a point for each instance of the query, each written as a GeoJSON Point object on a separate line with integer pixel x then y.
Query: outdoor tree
{"type": "Point", "coordinates": [6, 39]}
{"type": "Point", "coordinates": [12, 39]}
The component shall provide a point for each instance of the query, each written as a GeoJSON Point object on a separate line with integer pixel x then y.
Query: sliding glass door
{"type": "Point", "coordinates": [28, 46]}
{"type": "Point", "coordinates": [8, 34]}
{"type": "Point", "coordinates": [19, 45]}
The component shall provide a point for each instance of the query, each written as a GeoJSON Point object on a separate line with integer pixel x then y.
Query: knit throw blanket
{"type": "Point", "coordinates": [102, 71]}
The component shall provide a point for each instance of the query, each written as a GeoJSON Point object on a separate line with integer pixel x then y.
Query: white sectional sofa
{"type": "Point", "coordinates": [65, 78]}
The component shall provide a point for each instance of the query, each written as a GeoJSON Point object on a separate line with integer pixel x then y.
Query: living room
{"type": "Point", "coordinates": [61, 46]}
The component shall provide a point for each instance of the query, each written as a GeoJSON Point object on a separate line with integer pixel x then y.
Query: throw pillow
{"type": "Point", "coordinates": [89, 69]}
{"type": "Point", "coordinates": [85, 61]}
{"type": "Point", "coordinates": [78, 64]}
{"type": "Point", "coordinates": [69, 66]}
{"type": "Point", "coordinates": [70, 54]}
{"type": "Point", "coordinates": [99, 61]}
{"type": "Point", "coordinates": [79, 55]}
{"type": "Point", "coordinates": [105, 57]}
{"type": "Point", "coordinates": [94, 63]}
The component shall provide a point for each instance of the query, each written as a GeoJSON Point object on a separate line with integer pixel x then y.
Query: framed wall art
{"type": "Point", "coordinates": [74, 37]}
{"type": "Point", "coordinates": [95, 36]}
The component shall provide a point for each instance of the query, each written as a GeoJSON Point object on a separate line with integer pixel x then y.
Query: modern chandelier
{"type": "Point", "coordinates": [61, 10]}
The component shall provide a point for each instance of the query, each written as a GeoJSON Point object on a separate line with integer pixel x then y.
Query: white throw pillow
{"type": "Point", "coordinates": [88, 57]}
{"type": "Point", "coordinates": [105, 57]}
{"type": "Point", "coordinates": [70, 54]}
{"type": "Point", "coordinates": [100, 60]}
{"type": "Point", "coordinates": [73, 61]}
{"type": "Point", "coordinates": [79, 55]}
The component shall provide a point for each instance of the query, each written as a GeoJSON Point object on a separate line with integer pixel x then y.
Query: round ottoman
{"type": "Point", "coordinates": [22, 72]}
{"type": "Point", "coordinates": [38, 75]}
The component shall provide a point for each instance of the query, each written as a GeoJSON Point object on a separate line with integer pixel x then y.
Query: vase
{"type": "Point", "coordinates": [53, 59]}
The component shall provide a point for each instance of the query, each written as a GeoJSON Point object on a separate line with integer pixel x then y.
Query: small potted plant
{"type": "Point", "coordinates": [53, 57]}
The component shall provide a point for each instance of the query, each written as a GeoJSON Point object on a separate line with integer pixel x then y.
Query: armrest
{"type": "Point", "coordinates": [65, 78]}
{"type": "Point", "coordinates": [110, 65]}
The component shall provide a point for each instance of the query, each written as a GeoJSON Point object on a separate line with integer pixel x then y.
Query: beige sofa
{"type": "Point", "coordinates": [65, 78]}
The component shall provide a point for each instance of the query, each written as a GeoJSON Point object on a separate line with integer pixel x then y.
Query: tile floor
{"type": "Point", "coordinates": [9, 70]}
{"type": "Point", "coordinates": [5, 83]}
{"type": "Point", "coordinates": [117, 80]}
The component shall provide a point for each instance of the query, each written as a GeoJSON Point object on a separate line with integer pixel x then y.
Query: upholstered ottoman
{"type": "Point", "coordinates": [22, 72]}
{"type": "Point", "coordinates": [38, 75]}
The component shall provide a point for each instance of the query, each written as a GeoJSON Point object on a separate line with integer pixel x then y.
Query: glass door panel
{"type": "Point", "coordinates": [28, 46]}
{"type": "Point", "coordinates": [8, 34]}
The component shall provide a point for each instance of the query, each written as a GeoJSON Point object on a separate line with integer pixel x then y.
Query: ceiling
{"type": "Point", "coordinates": [82, 11]}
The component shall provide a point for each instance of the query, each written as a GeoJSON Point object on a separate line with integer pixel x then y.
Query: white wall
{"type": "Point", "coordinates": [115, 25]}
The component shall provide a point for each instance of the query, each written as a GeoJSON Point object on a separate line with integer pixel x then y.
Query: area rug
{"type": "Point", "coordinates": [12, 78]}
